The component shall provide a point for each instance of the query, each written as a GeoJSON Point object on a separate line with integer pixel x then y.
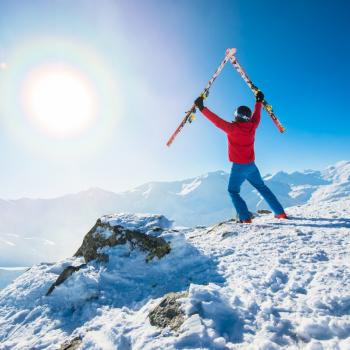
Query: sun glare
{"type": "Point", "coordinates": [59, 100]}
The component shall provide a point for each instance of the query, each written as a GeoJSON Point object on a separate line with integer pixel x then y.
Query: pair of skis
{"type": "Point", "coordinates": [229, 56]}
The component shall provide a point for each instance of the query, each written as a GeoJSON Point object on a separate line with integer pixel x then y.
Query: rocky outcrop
{"type": "Point", "coordinates": [264, 211]}
{"type": "Point", "coordinates": [168, 312]}
{"type": "Point", "coordinates": [104, 234]}
{"type": "Point", "coordinates": [136, 230]}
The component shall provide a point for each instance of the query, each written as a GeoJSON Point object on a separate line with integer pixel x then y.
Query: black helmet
{"type": "Point", "coordinates": [243, 114]}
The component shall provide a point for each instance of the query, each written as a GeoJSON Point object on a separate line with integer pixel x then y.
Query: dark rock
{"type": "Point", "coordinates": [71, 344]}
{"type": "Point", "coordinates": [168, 313]}
{"type": "Point", "coordinates": [264, 211]}
{"type": "Point", "coordinates": [67, 272]}
{"type": "Point", "coordinates": [104, 235]}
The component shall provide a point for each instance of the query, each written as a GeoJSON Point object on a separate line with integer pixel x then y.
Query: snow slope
{"type": "Point", "coordinates": [270, 285]}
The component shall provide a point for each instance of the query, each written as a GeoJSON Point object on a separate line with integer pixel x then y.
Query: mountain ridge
{"type": "Point", "coordinates": [201, 200]}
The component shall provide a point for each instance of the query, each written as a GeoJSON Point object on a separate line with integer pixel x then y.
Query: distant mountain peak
{"type": "Point", "coordinates": [191, 186]}
{"type": "Point", "coordinates": [94, 191]}
{"type": "Point", "coordinates": [339, 172]}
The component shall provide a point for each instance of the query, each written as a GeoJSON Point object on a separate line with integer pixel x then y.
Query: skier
{"type": "Point", "coordinates": [241, 135]}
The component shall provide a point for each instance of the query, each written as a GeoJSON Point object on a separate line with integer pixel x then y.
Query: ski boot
{"type": "Point", "coordinates": [283, 215]}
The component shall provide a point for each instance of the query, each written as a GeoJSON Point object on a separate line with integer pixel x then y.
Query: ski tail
{"type": "Point", "coordinates": [270, 112]}
{"type": "Point", "coordinates": [190, 114]}
{"type": "Point", "coordinates": [182, 124]}
{"type": "Point", "coordinates": [254, 89]}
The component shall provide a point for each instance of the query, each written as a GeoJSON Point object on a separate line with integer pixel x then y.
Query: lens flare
{"type": "Point", "coordinates": [60, 97]}
{"type": "Point", "coordinates": [59, 100]}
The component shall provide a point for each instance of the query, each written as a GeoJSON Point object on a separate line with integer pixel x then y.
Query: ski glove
{"type": "Point", "coordinates": [199, 103]}
{"type": "Point", "coordinates": [259, 96]}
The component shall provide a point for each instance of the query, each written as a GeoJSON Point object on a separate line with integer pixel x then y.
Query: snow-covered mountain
{"type": "Point", "coordinates": [34, 230]}
{"type": "Point", "coordinates": [136, 282]}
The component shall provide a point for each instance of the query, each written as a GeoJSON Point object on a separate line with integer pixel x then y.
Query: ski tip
{"type": "Point", "coordinates": [231, 52]}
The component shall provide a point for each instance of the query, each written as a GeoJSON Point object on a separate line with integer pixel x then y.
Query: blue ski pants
{"type": "Point", "coordinates": [250, 172]}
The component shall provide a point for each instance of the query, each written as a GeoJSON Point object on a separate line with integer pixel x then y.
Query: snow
{"type": "Point", "coordinates": [340, 172]}
{"type": "Point", "coordinates": [202, 183]}
{"type": "Point", "coordinates": [141, 222]}
{"type": "Point", "coordinates": [148, 191]}
{"type": "Point", "coordinates": [339, 186]}
{"type": "Point", "coordinates": [8, 274]}
{"type": "Point", "coordinates": [189, 187]}
{"type": "Point", "coordinates": [269, 285]}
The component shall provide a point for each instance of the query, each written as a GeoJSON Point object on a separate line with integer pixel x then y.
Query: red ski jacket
{"type": "Point", "coordinates": [240, 135]}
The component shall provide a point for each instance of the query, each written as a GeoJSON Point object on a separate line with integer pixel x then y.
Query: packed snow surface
{"type": "Point", "coordinates": [274, 284]}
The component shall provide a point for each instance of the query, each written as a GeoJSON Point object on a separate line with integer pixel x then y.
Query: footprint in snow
{"type": "Point", "coordinates": [276, 280]}
{"type": "Point", "coordinates": [321, 255]}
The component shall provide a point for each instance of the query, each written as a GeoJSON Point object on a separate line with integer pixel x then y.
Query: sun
{"type": "Point", "coordinates": [60, 100]}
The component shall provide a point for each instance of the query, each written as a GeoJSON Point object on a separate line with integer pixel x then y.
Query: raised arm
{"type": "Point", "coordinates": [215, 119]}
{"type": "Point", "coordinates": [256, 113]}
{"type": "Point", "coordinates": [257, 108]}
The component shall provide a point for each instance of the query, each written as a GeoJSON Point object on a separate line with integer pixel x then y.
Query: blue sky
{"type": "Point", "coordinates": [148, 61]}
